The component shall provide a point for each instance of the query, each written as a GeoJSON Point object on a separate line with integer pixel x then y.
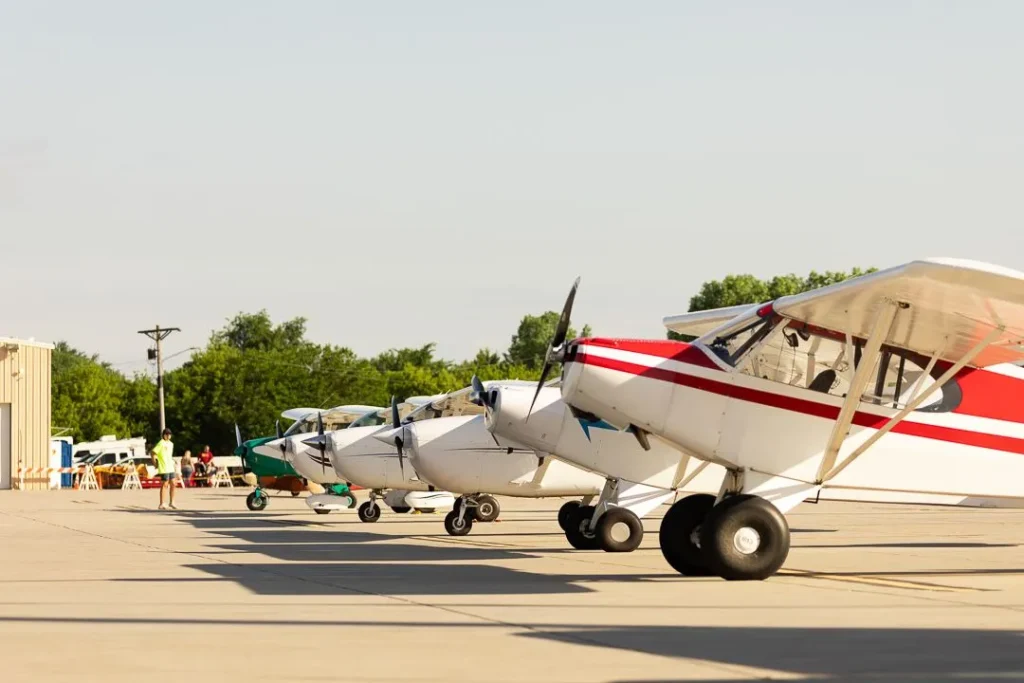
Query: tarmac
{"type": "Point", "coordinates": [101, 586]}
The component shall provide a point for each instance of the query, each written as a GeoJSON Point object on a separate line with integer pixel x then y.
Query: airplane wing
{"type": "Point", "coordinates": [700, 322]}
{"type": "Point", "coordinates": [297, 413]}
{"type": "Point", "coordinates": [948, 307]}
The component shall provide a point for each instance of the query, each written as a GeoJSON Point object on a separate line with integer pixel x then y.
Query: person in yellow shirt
{"type": "Point", "coordinates": [163, 451]}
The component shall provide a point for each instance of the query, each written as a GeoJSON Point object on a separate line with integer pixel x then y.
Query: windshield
{"type": "Point", "coordinates": [731, 343]}
{"type": "Point", "coordinates": [370, 419]}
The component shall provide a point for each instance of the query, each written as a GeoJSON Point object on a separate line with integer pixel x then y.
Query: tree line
{"type": "Point", "coordinates": [252, 369]}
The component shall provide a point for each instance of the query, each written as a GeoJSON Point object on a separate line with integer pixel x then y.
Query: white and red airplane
{"type": "Point", "coordinates": [450, 446]}
{"type": "Point", "coordinates": [902, 385]}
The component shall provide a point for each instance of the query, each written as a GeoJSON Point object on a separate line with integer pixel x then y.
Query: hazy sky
{"type": "Point", "coordinates": [407, 172]}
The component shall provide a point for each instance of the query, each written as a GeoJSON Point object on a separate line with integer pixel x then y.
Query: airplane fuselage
{"type": "Point", "coordinates": [460, 454]}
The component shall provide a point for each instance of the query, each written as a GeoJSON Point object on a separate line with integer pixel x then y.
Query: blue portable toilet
{"type": "Point", "coordinates": [67, 455]}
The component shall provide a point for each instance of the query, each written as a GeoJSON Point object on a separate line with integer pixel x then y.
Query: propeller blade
{"type": "Point", "coordinates": [557, 342]}
{"type": "Point", "coordinates": [318, 441]}
{"type": "Point", "coordinates": [396, 422]}
{"type": "Point", "coordinates": [238, 435]}
{"type": "Point", "coordinates": [320, 432]}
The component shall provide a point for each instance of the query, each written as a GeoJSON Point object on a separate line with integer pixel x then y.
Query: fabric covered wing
{"type": "Point", "coordinates": [951, 305]}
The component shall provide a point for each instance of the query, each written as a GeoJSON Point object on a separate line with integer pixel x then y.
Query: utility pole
{"type": "Point", "coordinates": [158, 334]}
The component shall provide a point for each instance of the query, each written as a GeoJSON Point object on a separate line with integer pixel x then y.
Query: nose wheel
{"type": "Point", "coordinates": [743, 538]}
{"type": "Point", "coordinates": [369, 512]}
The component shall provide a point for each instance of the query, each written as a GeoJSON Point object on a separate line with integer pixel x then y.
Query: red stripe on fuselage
{"type": "Point", "coordinates": [662, 348]}
{"type": "Point", "coordinates": [804, 406]}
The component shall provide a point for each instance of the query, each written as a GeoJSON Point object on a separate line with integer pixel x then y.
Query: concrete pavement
{"type": "Point", "coordinates": [99, 586]}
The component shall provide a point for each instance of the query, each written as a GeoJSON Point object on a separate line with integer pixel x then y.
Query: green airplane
{"type": "Point", "coordinates": [274, 473]}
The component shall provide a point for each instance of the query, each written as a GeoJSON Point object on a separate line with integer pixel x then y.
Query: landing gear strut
{"type": "Point", "coordinates": [742, 538]}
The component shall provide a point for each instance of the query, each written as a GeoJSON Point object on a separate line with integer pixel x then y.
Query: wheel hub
{"type": "Point", "coordinates": [746, 540]}
{"type": "Point", "coordinates": [620, 532]}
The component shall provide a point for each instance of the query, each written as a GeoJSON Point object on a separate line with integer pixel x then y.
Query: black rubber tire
{"type": "Point", "coordinates": [574, 534]}
{"type": "Point", "coordinates": [719, 531]}
{"type": "Point", "coordinates": [453, 527]}
{"type": "Point", "coordinates": [676, 534]}
{"type": "Point", "coordinates": [320, 511]}
{"type": "Point", "coordinates": [295, 493]}
{"type": "Point", "coordinates": [487, 509]}
{"type": "Point", "coordinates": [609, 520]}
{"type": "Point", "coordinates": [369, 512]}
{"type": "Point", "coordinates": [400, 511]}
{"type": "Point", "coordinates": [351, 500]}
{"type": "Point", "coordinates": [565, 512]}
{"type": "Point", "coordinates": [428, 511]}
{"type": "Point", "coordinates": [257, 501]}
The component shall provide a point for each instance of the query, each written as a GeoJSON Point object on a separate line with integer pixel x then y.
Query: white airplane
{"type": "Point", "coordinates": [309, 463]}
{"type": "Point", "coordinates": [450, 447]}
{"type": "Point", "coordinates": [902, 385]}
{"type": "Point", "coordinates": [634, 481]}
{"type": "Point", "coordinates": [362, 460]}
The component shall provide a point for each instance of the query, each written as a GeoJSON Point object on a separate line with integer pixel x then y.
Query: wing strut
{"type": "Point", "coordinates": [917, 400]}
{"type": "Point", "coordinates": [859, 381]}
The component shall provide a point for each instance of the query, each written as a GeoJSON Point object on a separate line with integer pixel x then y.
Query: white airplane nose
{"type": "Point", "coordinates": [388, 435]}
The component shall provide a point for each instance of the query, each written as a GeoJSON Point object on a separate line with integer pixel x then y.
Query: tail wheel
{"type": "Point", "coordinates": [565, 513]}
{"type": "Point", "coordinates": [679, 535]}
{"type": "Point", "coordinates": [574, 532]}
{"type": "Point", "coordinates": [257, 500]}
{"type": "Point", "coordinates": [369, 512]}
{"type": "Point", "coordinates": [745, 538]}
{"type": "Point", "coordinates": [487, 509]}
{"type": "Point", "coordinates": [456, 527]}
{"type": "Point", "coordinates": [619, 531]}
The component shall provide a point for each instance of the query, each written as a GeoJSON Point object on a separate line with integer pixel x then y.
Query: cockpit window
{"type": "Point", "coordinates": [733, 343]}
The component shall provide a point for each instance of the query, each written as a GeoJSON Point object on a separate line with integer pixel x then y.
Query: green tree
{"type": "Point", "coordinates": [88, 396]}
{"type": "Point", "coordinates": [734, 290]}
{"type": "Point", "coordinates": [532, 338]}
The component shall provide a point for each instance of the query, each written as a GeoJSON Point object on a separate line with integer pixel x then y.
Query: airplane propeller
{"type": "Point", "coordinates": [321, 442]}
{"type": "Point", "coordinates": [396, 422]}
{"type": "Point", "coordinates": [555, 351]}
{"type": "Point", "coordinates": [280, 437]}
{"type": "Point", "coordinates": [480, 396]}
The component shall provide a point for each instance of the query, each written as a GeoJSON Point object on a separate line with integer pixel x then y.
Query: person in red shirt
{"type": "Point", "coordinates": [206, 464]}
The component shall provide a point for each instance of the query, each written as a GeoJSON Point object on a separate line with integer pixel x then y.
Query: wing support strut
{"type": "Point", "coordinates": [917, 400]}
{"type": "Point", "coordinates": [859, 381]}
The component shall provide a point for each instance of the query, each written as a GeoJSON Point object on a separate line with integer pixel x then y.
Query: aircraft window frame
{"type": "Point", "coordinates": [717, 343]}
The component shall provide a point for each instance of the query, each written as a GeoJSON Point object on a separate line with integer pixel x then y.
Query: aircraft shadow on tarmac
{"type": "Point", "coordinates": [862, 653]}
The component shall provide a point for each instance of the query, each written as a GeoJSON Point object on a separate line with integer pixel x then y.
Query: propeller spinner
{"type": "Point", "coordinates": [556, 349]}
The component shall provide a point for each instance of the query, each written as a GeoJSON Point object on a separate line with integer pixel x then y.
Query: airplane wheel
{"type": "Point", "coordinates": [350, 500]}
{"type": "Point", "coordinates": [579, 539]}
{"type": "Point", "coordinates": [565, 513]}
{"type": "Point", "coordinates": [295, 493]}
{"type": "Point", "coordinates": [619, 531]}
{"type": "Point", "coordinates": [745, 538]}
{"type": "Point", "coordinates": [679, 534]}
{"type": "Point", "coordinates": [369, 512]}
{"type": "Point", "coordinates": [487, 509]}
{"type": "Point", "coordinates": [256, 501]}
{"type": "Point", "coordinates": [428, 511]}
{"type": "Point", "coordinates": [401, 511]}
{"type": "Point", "coordinates": [320, 511]}
{"type": "Point", "coordinates": [456, 528]}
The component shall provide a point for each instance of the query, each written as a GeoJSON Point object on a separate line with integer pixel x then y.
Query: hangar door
{"type": "Point", "coordinates": [5, 446]}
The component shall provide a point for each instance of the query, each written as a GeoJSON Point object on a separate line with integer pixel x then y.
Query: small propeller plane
{"type": "Point", "coordinates": [450, 447]}
{"type": "Point", "coordinates": [269, 469]}
{"type": "Point", "coordinates": [312, 465]}
{"type": "Point", "coordinates": [361, 460]}
{"type": "Point", "coordinates": [904, 383]}
{"type": "Point", "coordinates": [634, 482]}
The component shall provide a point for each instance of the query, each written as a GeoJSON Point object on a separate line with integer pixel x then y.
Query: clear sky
{"type": "Point", "coordinates": [407, 172]}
